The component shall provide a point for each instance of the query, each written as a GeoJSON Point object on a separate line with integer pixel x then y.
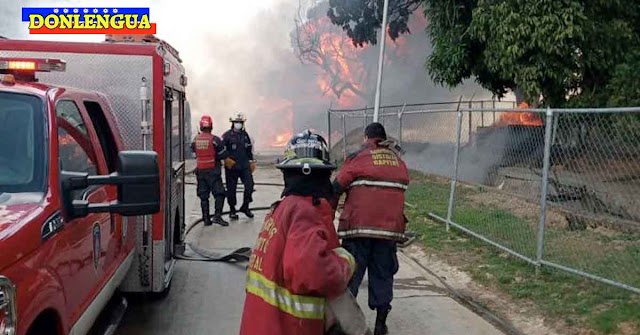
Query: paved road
{"type": "Point", "coordinates": [207, 298]}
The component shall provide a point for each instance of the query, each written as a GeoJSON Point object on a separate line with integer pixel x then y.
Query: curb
{"type": "Point", "coordinates": [465, 300]}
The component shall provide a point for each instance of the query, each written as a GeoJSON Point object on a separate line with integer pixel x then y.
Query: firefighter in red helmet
{"type": "Point", "coordinates": [297, 263]}
{"type": "Point", "coordinates": [209, 151]}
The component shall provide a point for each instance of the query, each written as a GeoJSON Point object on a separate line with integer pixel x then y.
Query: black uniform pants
{"type": "Point", "coordinates": [379, 257]}
{"type": "Point", "coordinates": [210, 182]}
{"type": "Point", "coordinates": [231, 178]}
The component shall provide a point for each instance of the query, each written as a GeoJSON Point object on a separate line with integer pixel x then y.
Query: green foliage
{"type": "Point", "coordinates": [368, 15]}
{"type": "Point", "coordinates": [624, 87]}
{"type": "Point", "coordinates": [571, 52]}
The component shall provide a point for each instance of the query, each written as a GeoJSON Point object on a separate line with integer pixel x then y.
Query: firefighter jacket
{"type": "Point", "coordinates": [240, 147]}
{"type": "Point", "coordinates": [296, 264]}
{"type": "Point", "coordinates": [375, 179]}
{"type": "Point", "coordinates": [209, 150]}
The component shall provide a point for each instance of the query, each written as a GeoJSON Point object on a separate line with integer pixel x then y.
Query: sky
{"type": "Point", "coordinates": [229, 25]}
{"type": "Point", "coordinates": [238, 56]}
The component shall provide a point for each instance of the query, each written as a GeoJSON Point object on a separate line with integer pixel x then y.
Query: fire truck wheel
{"type": "Point", "coordinates": [163, 294]}
{"type": "Point", "coordinates": [46, 323]}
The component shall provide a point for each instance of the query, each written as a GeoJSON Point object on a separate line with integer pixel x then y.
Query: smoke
{"type": "Point", "coordinates": [475, 163]}
{"type": "Point", "coordinates": [10, 28]}
{"type": "Point", "coordinates": [239, 58]}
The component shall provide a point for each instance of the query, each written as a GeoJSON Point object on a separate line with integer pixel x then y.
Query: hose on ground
{"type": "Point", "coordinates": [238, 255]}
{"type": "Point", "coordinates": [201, 220]}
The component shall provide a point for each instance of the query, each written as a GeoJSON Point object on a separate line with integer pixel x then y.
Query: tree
{"type": "Point", "coordinates": [313, 42]}
{"type": "Point", "coordinates": [569, 52]}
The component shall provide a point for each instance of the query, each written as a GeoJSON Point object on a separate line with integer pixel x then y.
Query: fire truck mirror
{"type": "Point", "coordinates": [139, 194]}
{"type": "Point", "coordinates": [137, 178]}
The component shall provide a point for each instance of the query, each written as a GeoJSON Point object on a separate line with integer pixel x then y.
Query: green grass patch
{"type": "Point", "coordinates": [558, 295]}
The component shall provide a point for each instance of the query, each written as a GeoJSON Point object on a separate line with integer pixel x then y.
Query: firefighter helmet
{"type": "Point", "coordinates": [206, 122]}
{"type": "Point", "coordinates": [306, 151]}
{"type": "Point", "coordinates": [238, 118]}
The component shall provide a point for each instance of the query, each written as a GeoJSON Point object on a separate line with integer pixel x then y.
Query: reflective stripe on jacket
{"type": "Point", "coordinates": [296, 264]}
{"type": "Point", "coordinates": [296, 305]}
{"type": "Point", "coordinates": [375, 179]}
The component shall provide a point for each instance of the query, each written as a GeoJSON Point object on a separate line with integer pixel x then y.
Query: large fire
{"type": "Point", "coordinates": [346, 71]}
{"type": "Point", "coordinates": [342, 74]}
{"type": "Point", "coordinates": [274, 121]}
{"type": "Point", "coordinates": [520, 118]}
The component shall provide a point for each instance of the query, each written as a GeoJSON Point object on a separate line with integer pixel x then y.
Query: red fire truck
{"type": "Point", "coordinates": [81, 127]}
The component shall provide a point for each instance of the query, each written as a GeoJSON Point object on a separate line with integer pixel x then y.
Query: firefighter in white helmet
{"type": "Point", "coordinates": [239, 145]}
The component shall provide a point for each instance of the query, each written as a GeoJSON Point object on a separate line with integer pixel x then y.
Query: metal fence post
{"type": "Point", "coordinates": [545, 186]}
{"type": "Point", "coordinates": [470, 120]}
{"type": "Point", "coordinates": [482, 113]}
{"type": "Point", "coordinates": [454, 179]}
{"type": "Point", "coordinates": [344, 137]}
{"type": "Point", "coordinates": [364, 123]}
{"type": "Point", "coordinates": [494, 110]}
{"type": "Point", "coordinates": [400, 123]}
{"type": "Point", "coordinates": [329, 128]}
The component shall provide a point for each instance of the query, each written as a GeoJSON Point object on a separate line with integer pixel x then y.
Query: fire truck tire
{"type": "Point", "coordinates": [47, 322]}
{"type": "Point", "coordinates": [162, 294]}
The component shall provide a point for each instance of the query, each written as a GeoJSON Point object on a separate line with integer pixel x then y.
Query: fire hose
{"type": "Point", "coordinates": [243, 253]}
{"type": "Point", "coordinates": [238, 255]}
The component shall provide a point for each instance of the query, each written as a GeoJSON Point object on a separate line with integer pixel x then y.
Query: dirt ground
{"type": "Point", "coordinates": [522, 316]}
{"type": "Point", "coordinates": [526, 210]}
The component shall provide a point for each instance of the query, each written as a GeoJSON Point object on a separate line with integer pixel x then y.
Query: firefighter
{"type": "Point", "coordinates": [297, 262]}
{"type": "Point", "coordinates": [239, 145]}
{"type": "Point", "coordinates": [372, 221]}
{"type": "Point", "coordinates": [209, 151]}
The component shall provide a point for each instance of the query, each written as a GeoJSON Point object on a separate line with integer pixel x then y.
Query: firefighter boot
{"type": "Point", "coordinates": [381, 322]}
{"type": "Point", "coordinates": [232, 213]}
{"type": "Point", "coordinates": [217, 214]}
{"type": "Point", "coordinates": [205, 213]}
{"type": "Point", "coordinates": [217, 219]}
{"type": "Point", "coordinates": [245, 209]}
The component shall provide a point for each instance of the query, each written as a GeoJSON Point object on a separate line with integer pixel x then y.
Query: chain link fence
{"type": "Point", "coordinates": [554, 187]}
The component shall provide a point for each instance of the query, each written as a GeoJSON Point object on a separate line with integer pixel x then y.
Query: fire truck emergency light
{"type": "Point", "coordinates": [31, 65]}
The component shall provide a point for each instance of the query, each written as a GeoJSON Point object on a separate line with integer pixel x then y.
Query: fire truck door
{"type": "Point", "coordinates": [174, 139]}
{"type": "Point", "coordinates": [86, 248]}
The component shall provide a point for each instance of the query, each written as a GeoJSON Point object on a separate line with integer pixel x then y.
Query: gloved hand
{"type": "Point", "coordinates": [229, 163]}
{"type": "Point", "coordinates": [252, 166]}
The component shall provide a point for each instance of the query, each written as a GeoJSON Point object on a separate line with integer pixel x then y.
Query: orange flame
{"type": "Point", "coordinates": [275, 121]}
{"type": "Point", "coordinates": [344, 73]}
{"type": "Point", "coordinates": [281, 140]}
{"type": "Point", "coordinates": [520, 118]}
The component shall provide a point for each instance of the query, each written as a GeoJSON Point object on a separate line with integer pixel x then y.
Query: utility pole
{"type": "Point", "coordinates": [383, 36]}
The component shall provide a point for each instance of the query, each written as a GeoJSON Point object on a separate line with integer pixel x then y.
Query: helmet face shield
{"type": "Point", "coordinates": [307, 151]}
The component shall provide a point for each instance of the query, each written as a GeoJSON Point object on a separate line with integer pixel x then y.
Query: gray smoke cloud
{"type": "Point", "coordinates": [10, 25]}
{"type": "Point", "coordinates": [250, 67]}
{"type": "Point", "coordinates": [475, 163]}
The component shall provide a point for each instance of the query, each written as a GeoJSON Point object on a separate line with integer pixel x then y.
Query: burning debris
{"type": "Point", "coordinates": [517, 118]}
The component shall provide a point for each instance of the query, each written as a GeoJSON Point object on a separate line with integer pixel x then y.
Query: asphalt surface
{"type": "Point", "coordinates": [206, 298]}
